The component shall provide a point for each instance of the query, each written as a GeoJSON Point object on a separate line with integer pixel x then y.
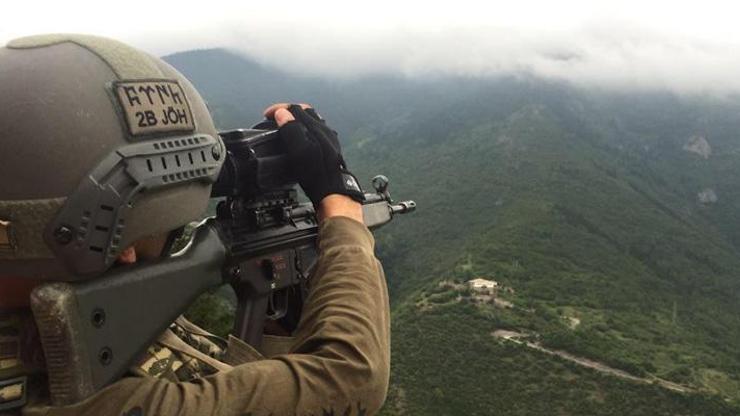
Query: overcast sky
{"type": "Point", "coordinates": [683, 46]}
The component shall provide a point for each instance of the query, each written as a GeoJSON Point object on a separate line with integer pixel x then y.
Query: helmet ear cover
{"type": "Point", "coordinates": [90, 229]}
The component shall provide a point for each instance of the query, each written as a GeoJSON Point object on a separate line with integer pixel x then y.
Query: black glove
{"type": "Point", "coordinates": [316, 157]}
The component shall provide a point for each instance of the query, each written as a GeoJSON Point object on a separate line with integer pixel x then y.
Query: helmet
{"type": "Point", "coordinates": [100, 145]}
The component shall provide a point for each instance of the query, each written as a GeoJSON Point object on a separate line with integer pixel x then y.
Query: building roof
{"type": "Point", "coordinates": [483, 282]}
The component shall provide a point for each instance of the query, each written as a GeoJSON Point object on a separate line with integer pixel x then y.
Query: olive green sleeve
{"type": "Point", "coordinates": [339, 364]}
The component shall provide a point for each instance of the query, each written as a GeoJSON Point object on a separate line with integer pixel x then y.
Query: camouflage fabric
{"type": "Point", "coordinates": [337, 364]}
{"type": "Point", "coordinates": [20, 351]}
{"type": "Point", "coordinates": [20, 357]}
{"type": "Point", "coordinates": [10, 348]}
{"type": "Point", "coordinates": [169, 360]}
{"type": "Point", "coordinates": [11, 364]}
{"type": "Point", "coordinates": [11, 392]}
{"type": "Point", "coordinates": [199, 338]}
{"type": "Point", "coordinates": [165, 363]}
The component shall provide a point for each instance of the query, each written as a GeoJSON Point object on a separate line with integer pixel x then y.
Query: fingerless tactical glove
{"type": "Point", "coordinates": [316, 156]}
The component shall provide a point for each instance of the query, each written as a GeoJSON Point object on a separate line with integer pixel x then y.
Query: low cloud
{"type": "Point", "coordinates": [622, 45]}
{"type": "Point", "coordinates": [609, 55]}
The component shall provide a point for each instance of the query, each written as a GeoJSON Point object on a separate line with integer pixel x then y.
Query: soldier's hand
{"type": "Point", "coordinates": [317, 159]}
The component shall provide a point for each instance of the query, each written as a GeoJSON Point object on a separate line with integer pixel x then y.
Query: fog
{"type": "Point", "coordinates": [682, 47]}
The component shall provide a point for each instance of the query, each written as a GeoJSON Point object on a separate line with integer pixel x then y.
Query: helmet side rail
{"type": "Point", "coordinates": [88, 232]}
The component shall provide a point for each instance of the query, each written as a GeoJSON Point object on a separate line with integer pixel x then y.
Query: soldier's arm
{"type": "Point", "coordinates": [339, 363]}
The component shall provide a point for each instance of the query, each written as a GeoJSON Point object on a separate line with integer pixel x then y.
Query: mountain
{"type": "Point", "coordinates": [609, 220]}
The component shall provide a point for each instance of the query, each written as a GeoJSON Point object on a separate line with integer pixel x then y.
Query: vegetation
{"type": "Point", "coordinates": [584, 203]}
{"type": "Point", "coordinates": [446, 363]}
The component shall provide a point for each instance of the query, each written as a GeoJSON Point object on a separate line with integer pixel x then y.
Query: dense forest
{"type": "Point", "coordinates": [608, 219]}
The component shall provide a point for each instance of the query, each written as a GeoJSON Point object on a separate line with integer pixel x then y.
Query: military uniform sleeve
{"type": "Point", "coordinates": [339, 364]}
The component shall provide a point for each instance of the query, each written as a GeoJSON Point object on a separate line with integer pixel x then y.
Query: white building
{"type": "Point", "coordinates": [483, 285]}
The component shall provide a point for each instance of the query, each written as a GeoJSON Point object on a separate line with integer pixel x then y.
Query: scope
{"type": "Point", "coordinates": [256, 163]}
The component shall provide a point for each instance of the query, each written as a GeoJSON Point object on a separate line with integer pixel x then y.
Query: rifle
{"type": "Point", "coordinates": [262, 241]}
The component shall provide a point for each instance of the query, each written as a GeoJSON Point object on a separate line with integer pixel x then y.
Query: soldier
{"type": "Point", "coordinates": [67, 103]}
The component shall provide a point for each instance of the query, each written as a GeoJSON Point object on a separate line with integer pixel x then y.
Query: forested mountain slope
{"type": "Point", "coordinates": [610, 221]}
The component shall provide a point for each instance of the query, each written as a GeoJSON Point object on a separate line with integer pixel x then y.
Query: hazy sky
{"type": "Point", "coordinates": [683, 46]}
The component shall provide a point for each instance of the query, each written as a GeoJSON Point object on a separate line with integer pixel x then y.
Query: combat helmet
{"type": "Point", "coordinates": [100, 145]}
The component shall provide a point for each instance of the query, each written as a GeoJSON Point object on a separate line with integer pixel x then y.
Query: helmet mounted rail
{"type": "Point", "coordinates": [87, 232]}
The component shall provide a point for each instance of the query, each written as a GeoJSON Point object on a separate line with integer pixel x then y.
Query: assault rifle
{"type": "Point", "coordinates": [262, 241]}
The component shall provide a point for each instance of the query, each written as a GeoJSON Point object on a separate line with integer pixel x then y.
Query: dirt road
{"type": "Point", "coordinates": [585, 362]}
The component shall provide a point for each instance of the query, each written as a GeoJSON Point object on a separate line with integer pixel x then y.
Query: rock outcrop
{"type": "Point", "coordinates": [698, 145]}
{"type": "Point", "coordinates": [707, 196]}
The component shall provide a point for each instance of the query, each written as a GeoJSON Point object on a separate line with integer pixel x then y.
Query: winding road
{"type": "Point", "coordinates": [585, 362]}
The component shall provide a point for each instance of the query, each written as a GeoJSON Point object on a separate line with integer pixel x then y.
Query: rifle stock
{"type": "Point", "coordinates": [92, 331]}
